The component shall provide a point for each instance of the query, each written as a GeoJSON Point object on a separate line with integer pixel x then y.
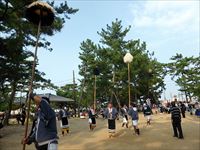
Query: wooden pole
{"type": "Point", "coordinates": [118, 102]}
{"type": "Point", "coordinates": [74, 91]}
{"type": "Point", "coordinates": [129, 88]}
{"type": "Point", "coordinates": [31, 82]}
{"type": "Point", "coordinates": [112, 90]}
{"type": "Point", "coordinates": [95, 91]}
{"type": "Point", "coordinates": [148, 78]}
{"type": "Point", "coordinates": [21, 101]}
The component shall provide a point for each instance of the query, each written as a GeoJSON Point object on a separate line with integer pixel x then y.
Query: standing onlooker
{"type": "Point", "coordinates": [111, 115]}
{"type": "Point", "coordinates": [18, 117]}
{"type": "Point", "coordinates": [134, 115]}
{"type": "Point", "coordinates": [1, 121]}
{"type": "Point", "coordinates": [147, 113]}
{"type": "Point", "coordinates": [92, 118]}
{"type": "Point", "coordinates": [183, 109]}
{"type": "Point", "coordinates": [64, 123]}
{"type": "Point", "coordinates": [102, 113]}
{"type": "Point", "coordinates": [160, 108]}
{"type": "Point", "coordinates": [176, 120]}
{"type": "Point", "coordinates": [44, 133]}
{"type": "Point", "coordinates": [197, 111]}
{"type": "Point", "coordinates": [124, 111]}
{"type": "Point", "coordinates": [23, 114]}
{"type": "Point", "coordinates": [190, 107]}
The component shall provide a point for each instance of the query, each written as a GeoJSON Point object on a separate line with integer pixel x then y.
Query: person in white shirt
{"type": "Point", "coordinates": [111, 115]}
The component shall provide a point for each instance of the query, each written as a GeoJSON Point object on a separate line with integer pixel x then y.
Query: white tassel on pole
{"type": "Point", "coordinates": [40, 14]}
{"type": "Point", "coordinates": [128, 58]}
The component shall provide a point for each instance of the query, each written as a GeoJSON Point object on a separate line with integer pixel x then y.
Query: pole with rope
{"type": "Point", "coordinates": [128, 58]}
{"type": "Point", "coordinates": [41, 14]}
{"type": "Point", "coordinates": [95, 91]}
{"type": "Point", "coordinates": [129, 87]}
{"type": "Point", "coordinates": [31, 83]}
{"type": "Point", "coordinates": [96, 72]}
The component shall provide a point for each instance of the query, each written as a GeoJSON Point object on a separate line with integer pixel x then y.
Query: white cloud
{"type": "Point", "coordinates": [166, 14]}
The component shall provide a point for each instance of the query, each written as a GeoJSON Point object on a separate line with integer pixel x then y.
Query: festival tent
{"type": "Point", "coordinates": [55, 98]}
{"type": "Point", "coordinates": [19, 100]}
{"type": "Point", "coordinates": [52, 97]}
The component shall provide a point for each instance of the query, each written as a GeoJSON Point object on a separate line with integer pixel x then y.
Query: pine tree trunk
{"type": "Point", "coordinates": [186, 96]}
{"type": "Point", "coordinates": [190, 97]}
{"type": "Point", "coordinates": [11, 99]}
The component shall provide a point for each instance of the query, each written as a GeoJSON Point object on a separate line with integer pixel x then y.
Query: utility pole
{"type": "Point", "coordinates": [81, 94]}
{"type": "Point", "coordinates": [74, 91]}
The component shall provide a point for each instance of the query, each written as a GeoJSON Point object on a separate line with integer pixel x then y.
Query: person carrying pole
{"type": "Point", "coordinates": [44, 131]}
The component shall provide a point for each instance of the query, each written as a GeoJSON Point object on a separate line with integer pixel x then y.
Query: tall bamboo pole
{"type": "Point", "coordinates": [118, 101]}
{"type": "Point", "coordinates": [95, 78]}
{"type": "Point", "coordinates": [129, 88]}
{"type": "Point", "coordinates": [112, 90]}
{"type": "Point", "coordinates": [31, 82]}
{"type": "Point", "coordinates": [74, 91]}
{"type": "Point", "coordinates": [128, 59]}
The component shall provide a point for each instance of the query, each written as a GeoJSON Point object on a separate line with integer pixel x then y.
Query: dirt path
{"type": "Point", "coordinates": [158, 136]}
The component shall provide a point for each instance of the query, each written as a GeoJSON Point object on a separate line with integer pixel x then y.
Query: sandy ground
{"type": "Point", "coordinates": [158, 136]}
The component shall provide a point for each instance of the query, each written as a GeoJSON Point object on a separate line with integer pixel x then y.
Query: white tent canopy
{"type": "Point", "coordinates": [19, 100]}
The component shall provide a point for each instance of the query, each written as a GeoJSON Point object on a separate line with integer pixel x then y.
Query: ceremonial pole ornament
{"type": "Point", "coordinates": [96, 72]}
{"type": "Point", "coordinates": [128, 58]}
{"type": "Point", "coordinates": [41, 14]}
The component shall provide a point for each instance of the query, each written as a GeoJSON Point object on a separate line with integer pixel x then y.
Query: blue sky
{"type": "Point", "coordinates": [168, 27]}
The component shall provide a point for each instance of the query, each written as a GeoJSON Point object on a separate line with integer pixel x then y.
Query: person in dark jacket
{"type": "Point", "coordinates": [133, 112]}
{"type": "Point", "coordinates": [2, 117]}
{"type": "Point", "coordinates": [183, 109]}
{"type": "Point", "coordinates": [92, 118]}
{"type": "Point", "coordinates": [191, 107]}
{"type": "Point", "coordinates": [176, 120]}
{"type": "Point", "coordinates": [23, 116]}
{"type": "Point", "coordinates": [44, 133]}
{"type": "Point", "coordinates": [147, 113]}
{"type": "Point", "coordinates": [124, 112]}
{"type": "Point", "coordinates": [111, 115]}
